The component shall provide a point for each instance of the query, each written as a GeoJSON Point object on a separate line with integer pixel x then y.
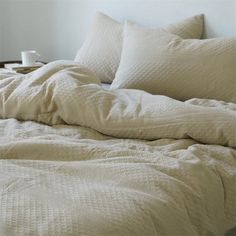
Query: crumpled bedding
{"type": "Point", "coordinates": [78, 160]}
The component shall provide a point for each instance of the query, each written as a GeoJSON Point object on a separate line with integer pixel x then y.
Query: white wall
{"type": "Point", "coordinates": [56, 28]}
{"type": "Point", "coordinates": [49, 26]}
{"type": "Point", "coordinates": [1, 32]}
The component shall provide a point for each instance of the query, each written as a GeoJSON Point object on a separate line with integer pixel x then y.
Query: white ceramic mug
{"type": "Point", "coordinates": [29, 58]}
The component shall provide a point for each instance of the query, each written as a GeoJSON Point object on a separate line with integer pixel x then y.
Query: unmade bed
{"type": "Point", "coordinates": [136, 136]}
{"type": "Point", "coordinates": [80, 160]}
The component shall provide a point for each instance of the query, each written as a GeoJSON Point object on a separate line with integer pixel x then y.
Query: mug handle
{"type": "Point", "coordinates": [37, 56]}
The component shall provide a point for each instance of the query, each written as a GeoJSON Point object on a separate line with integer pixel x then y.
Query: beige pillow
{"type": "Point", "coordinates": [162, 63]}
{"type": "Point", "coordinates": [102, 48]}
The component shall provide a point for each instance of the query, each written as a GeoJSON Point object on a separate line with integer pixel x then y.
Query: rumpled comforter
{"type": "Point", "coordinates": [78, 160]}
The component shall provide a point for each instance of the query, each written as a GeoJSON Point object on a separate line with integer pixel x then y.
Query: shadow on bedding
{"type": "Point", "coordinates": [231, 232]}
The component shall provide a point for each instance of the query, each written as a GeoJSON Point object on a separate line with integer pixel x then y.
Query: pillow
{"type": "Point", "coordinates": [162, 63]}
{"type": "Point", "coordinates": [102, 48]}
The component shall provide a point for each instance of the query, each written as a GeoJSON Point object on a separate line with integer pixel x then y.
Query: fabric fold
{"type": "Point", "coordinates": [63, 92]}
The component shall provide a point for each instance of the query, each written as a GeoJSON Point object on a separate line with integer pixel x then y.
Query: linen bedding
{"type": "Point", "coordinates": [79, 160]}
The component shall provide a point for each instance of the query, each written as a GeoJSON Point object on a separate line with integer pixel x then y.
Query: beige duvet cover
{"type": "Point", "coordinates": [78, 160]}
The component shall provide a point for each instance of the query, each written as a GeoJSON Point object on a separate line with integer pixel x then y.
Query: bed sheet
{"type": "Point", "coordinates": [76, 159]}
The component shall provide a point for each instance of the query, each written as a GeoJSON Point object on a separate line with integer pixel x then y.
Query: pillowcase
{"type": "Point", "coordinates": [162, 63]}
{"type": "Point", "coordinates": [101, 50]}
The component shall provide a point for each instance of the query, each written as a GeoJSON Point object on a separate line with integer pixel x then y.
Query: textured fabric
{"type": "Point", "coordinates": [102, 48]}
{"type": "Point", "coordinates": [72, 180]}
{"type": "Point", "coordinates": [162, 63]}
{"type": "Point", "coordinates": [63, 92]}
{"type": "Point", "coordinates": [4, 73]}
{"type": "Point", "coordinates": [106, 86]}
{"type": "Point", "coordinates": [68, 180]}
